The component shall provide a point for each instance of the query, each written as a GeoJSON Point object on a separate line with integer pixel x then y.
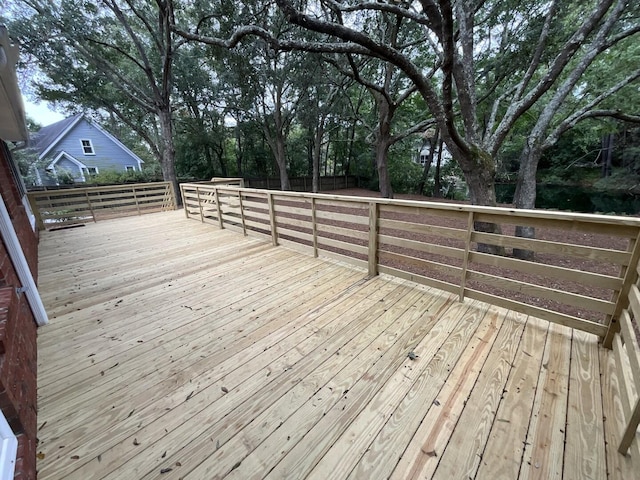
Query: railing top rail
{"type": "Point", "coordinates": [454, 207]}
{"type": "Point", "coordinates": [104, 188]}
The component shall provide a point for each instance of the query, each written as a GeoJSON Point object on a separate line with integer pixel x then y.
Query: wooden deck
{"type": "Point", "coordinates": [180, 351]}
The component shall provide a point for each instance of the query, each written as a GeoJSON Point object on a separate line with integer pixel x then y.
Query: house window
{"type": "Point", "coordinates": [87, 147]}
{"type": "Point", "coordinates": [90, 170]}
{"type": "Point", "coordinates": [130, 168]}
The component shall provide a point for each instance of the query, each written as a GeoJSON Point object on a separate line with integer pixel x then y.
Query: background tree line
{"type": "Point", "coordinates": [259, 88]}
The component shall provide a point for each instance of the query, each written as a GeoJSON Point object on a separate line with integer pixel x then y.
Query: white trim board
{"type": "Point", "coordinates": [19, 261]}
{"type": "Point", "coordinates": [8, 449]}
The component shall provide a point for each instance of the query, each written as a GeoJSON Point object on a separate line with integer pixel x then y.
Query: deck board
{"type": "Point", "coordinates": [179, 350]}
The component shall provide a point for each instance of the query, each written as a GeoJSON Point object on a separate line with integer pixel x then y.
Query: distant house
{"type": "Point", "coordinates": [424, 154]}
{"type": "Point", "coordinates": [78, 148]}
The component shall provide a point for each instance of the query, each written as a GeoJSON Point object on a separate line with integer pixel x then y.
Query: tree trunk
{"type": "Point", "coordinates": [239, 153]}
{"type": "Point", "coordinates": [317, 151]}
{"type": "Point", "coordinates": [281, 160]}
{"type": "Point", "coordinates": [427, 165]}
{"type": "Point", "coordinates": [479, 171]}
{"type": "Point", "coordinates": [525, 195]}
{"type": "Point", "coordinates": [168, 163]}
{"type": "Point", "coordinates": [607, 155]}
{"type": "Point", "coordinates": [437, 187]}
{"type": "Point", "coordinates": [383, 142]}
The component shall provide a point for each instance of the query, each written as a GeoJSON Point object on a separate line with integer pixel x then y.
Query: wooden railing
{"type": "Point", "coordinates": [627, 357]}
{"type": "Point", "coordinates": [584, 275]}
{"type": "Point", "coordinates": [61, 208]}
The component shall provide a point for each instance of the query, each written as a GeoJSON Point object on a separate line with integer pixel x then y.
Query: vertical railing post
{"type": "Point", "coordinates": [184, 201]}
{"type": "Point", "coordinates": [244, 225]}
{"type": "Point", "coordinates": [373, 239]}
{"type": "Point", "coordinates": [33, 201]}
{"type": "Point", "coordinates": [135, 198]}
{"type": "Point", "coordinates": [199, 204]}
{"type": "Point", "coordinates": [629, 274]}
{"type": "Point", "coordinates": [173, 198]}
{"type": "Point", "coordinates": [272, 218]}
{"type": "Point", "coordinates": [86, 194]}
{"type": "Point", "coordinates": [314, 227]}
{"type": "Point", "coordinates": [218, 206]}
{"type": "Point", "coordinates": [465, 262]}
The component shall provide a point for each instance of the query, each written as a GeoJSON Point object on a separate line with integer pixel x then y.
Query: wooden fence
{"type": "Point", "coordinates": [73, 206]}
{"type": "Point", "coordinates": [304, 184]}
{"type": "Point", "coordinates": [584, 273]}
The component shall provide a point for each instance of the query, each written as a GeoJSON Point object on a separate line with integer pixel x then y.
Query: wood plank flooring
{"type": "Point", "coordinates": [180, 351]}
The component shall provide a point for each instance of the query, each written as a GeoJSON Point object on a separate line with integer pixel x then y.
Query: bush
{"type": "Point", "coordinates": [112, 177]}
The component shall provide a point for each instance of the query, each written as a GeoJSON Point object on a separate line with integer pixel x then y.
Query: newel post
{"type": "Point", "coordinates": [373, 238]}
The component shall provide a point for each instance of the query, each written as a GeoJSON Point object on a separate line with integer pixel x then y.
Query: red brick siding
{"type": "Point", "coordinates": [18, 354]}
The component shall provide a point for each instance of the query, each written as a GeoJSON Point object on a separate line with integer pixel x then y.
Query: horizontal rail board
{"type": "Point", "coordinates": [551, 271]}
{"type": "Point", "coordinates": [283, 222]}
{"type": "Point", "coordinates": [617, 226]}
{"type": "Point", "coordinates": [341, 202]}
{"type": "Point", "coordinates": [421, 279]}
{"type": "Point", "coordinates": [343, 258]}
{"type": "Point", "coordinates": [324, 242]}
{"type": "Point", "coordinates": [296, 234]}
{"type": "Point", "coordinates": [423, 247]}
{"type": "Point", "coordinates": [573, 299]}
{"type": "Point", "coordinates": [342, 217]}
{"type": "Point", "coordinates": [543, 246]}
{"type": "Point", "coordinates": [253, 224]}
{"type": "Point", "coordinates": [253, 215]}
{"type": "Point", "coordinates": [446, 232]}
{"type": "Point", "coordinates": [345, 232]}
{"type": "Point", "coordinates": [440, 210]}
{"type": "Point", "coordinates": [291, 210]}
{"type": "Point", "coordinates": [543, 313]}
{"type": "Point", "coordinates": [106, 188]}
{"type": "Point", "coordinates": [423, 264]}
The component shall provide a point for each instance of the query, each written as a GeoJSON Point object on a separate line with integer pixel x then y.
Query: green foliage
{"type": "Point", "coordinates": [405, 174]}
{"type": "Point", "coordinates": [112, 177]}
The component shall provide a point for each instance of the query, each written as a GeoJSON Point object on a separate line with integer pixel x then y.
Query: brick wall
{"type": "Point", "coordinates": [18, 354]}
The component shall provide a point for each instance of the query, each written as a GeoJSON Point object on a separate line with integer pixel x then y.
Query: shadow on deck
{"type": "Point", "coordinates": [177, 350]}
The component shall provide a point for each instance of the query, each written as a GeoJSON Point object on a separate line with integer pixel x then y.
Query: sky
{"type": "Point", "coordinates": [41, 113]}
